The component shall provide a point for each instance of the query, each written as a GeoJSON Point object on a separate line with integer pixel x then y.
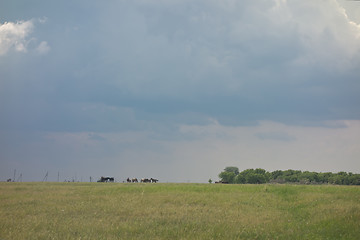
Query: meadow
{"type": "Point", "coordinates": [178, 211]}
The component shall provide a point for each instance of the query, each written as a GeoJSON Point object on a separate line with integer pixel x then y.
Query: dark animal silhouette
{"type": "Point", "coordinates": [106, 179]}
{"type": "Point", "coordinates": [223, 182]}
{"type": "Point", "coordinates": [145, 180]}
{"type": "Point", "coordinates": [153, 180]}
{"type": "Point", "coordinates": [128, 180]}
{"type": "Point", "coordinates": [134, 180]}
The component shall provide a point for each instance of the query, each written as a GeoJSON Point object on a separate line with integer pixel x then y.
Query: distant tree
{"type": "Point", "coordinates": [228, 177]}
{"type": "Point", "coordinates": [341, 178]}
{"type": "Point", "coordinates": [310, 177]}
{"type": "Point", "coordinates": [354, 179]}
{"type": "Point", "coordinates": [324, 177]}
{"type": "Point", "coordinates": [336, 179]}
{"type": "Point", "coordinates": [235, 170]}
{"type": "Point", "coordinates": [260, 171]}
{"type": "Point", "coordinates": [247, 172]}
{"type": "Point", "coordinates": [254, 178]}
{"type": "Point", "coordinates": [259, 175]}
{"type": "Point", "coordinates": [292, 178]}
{"type": "Point", "coordinates": [210, 181]}
{"type": "Point", "coordinates": [240, 179]}
{"type": "Point", "coordinates": [276, 174]}
{"type": "Point", "coordinates": [291, 175]}
{"type": "Point", "coordinates": [342, 174]}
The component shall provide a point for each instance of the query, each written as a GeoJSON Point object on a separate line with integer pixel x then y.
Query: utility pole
{"type": "Point", "coordinates": [58, 176]}
{"type": "Point", "coordinates": [14, 175]}
{"type": "Point", "coordinates": [19, 178]}
{"type": "Point", "coordinates": [46, 176]}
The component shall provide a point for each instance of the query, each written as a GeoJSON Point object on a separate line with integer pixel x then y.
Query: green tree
{"type": "Point", "coordinates": [259, 175]}
{"type": "Point", "coordinates": [354, 179]}
{"type": "Point", "coordinates": [276, 174]}
{"type": "Point", "coordinates": [254, 178]}
{"type": "Point", "coordinates": [235, 170]}
{"type": "Point", "coordinates": [260, 171]}
{"type": "Point", "coordinates": [336, 179]}
{"type": "Point", "coordinates": [309, 176]}
{"type": "Point", "coordinates": [240, 179]}
{"type": "Point", "coordinates": [228, 177]}
{"type": "Point", "coordinates": [324, 177]}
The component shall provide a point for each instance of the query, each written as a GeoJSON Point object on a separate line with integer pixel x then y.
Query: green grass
{"type": "Point", "coordinates": [178, 211]}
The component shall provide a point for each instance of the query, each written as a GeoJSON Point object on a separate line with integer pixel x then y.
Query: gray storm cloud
{"type": "Point", "coordinates": [111, 86]}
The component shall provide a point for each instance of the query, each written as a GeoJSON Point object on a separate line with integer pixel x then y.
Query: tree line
{"type": "Point", "coordinates": [259, 176]}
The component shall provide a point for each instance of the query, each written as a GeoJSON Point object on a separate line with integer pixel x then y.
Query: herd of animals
{"type": "Point", "coordinates": [144, 180]}
{"type": "Point", "coordinates": [133, 180]}
{"type": "Point", "coordinates": [112, 179]}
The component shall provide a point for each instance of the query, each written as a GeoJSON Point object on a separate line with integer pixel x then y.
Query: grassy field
{"type": "Point", "coordinates": [177, 211]}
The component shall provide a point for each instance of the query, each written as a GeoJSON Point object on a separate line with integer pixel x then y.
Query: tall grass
{"type": "Point", "coordinates": [178, 211]}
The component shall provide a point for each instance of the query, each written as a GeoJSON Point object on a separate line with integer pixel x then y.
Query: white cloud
{"type": "Point", "coordinates": [43, 20]}
{"type": "Point", "coordinates": [43, 48]}
{"type": "Point", "coordinates": [329, 38]}
{"type": "Point", "coordinates": [14, 36]}
{"type": "Point", "coordinates": [352, 9]}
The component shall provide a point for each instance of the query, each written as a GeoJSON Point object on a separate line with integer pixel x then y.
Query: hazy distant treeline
{"type": "Point", "coordinates": [259, 175]}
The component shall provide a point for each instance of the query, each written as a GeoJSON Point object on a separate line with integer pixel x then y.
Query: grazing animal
{"type": "Point", "coordinates": [128, 180]}
{"type": "Point", "coordinates": [106, 179]}
{"type": "Point", "coordinates": [9, 180]}
{"type": "Point", "coordinates": [134, 180]}
{"type": "Point", "coordinates": [223, 182]}
{"type": "Point", "coordinates": [153, 180]}
{"type": "Point", "coordinates": [145, 180]}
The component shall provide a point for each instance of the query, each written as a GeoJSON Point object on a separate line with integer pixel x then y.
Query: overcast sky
{"type": "Point", "coordinates": [178, 90]}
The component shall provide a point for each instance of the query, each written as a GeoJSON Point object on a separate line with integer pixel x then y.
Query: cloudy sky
{"type": "Point", "coordinates": [178, 90]}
